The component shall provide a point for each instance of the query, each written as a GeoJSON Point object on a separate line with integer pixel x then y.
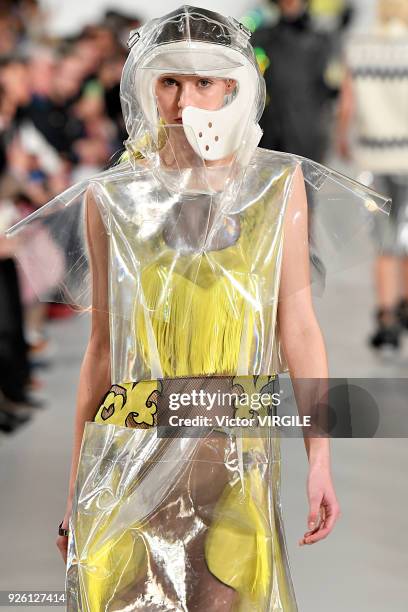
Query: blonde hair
{"type": "Point", "coordinates": [134, 149]}
{"type": "Point", "coordinates": [390, 10]}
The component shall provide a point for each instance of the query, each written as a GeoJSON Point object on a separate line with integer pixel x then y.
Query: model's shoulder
{"type": "Point", "coordinates": [269, 172]}
{"type": "Point", "coordinates": [123, 173]}
{"type": "Point", "coordinates": [265, 159]}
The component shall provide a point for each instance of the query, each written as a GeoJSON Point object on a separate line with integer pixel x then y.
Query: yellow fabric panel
{"type": "Point", "coordinates": [131, 404]}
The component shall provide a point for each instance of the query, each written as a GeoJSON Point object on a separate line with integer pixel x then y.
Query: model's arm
{"type": "Point", "coordinates": [94, 377]}
{"type": "Point", "coordinates": [300, 333]}
{"type": "Point", "coordinates": [305, 352]}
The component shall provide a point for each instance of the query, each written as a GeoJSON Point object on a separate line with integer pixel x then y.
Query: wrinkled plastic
{"type": "Point", "coordinates": [170, 266]}
{"type": "Point", "coordinates": [179, 523]}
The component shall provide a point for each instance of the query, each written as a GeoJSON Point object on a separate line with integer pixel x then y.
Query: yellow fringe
{"type": "Point", "coordinates": [198, 331]}
{"type": "Point", "coordinates": [197, 312]}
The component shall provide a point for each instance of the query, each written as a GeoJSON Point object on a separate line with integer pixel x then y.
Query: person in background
{"type": "Point", "coordinates": [373, 101]}
{"type": "Point", "coordinates": [296, 118]}
{"type": "Point", "coordinates": [14, 365]}
{"type": "Point", "coordinates": [60, 121]}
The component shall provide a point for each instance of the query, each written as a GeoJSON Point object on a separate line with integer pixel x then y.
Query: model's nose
{"type": "Point", "coordinates": [186, 96]}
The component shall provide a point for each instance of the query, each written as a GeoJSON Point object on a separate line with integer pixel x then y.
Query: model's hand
{"type": "Point", "coordinates": [62, 541]}
{"type": "Point", "coordinates": [324, 509]}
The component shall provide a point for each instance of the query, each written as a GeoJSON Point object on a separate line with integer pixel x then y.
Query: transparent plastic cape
{"type": "Point", "coordinates": [191, 278]}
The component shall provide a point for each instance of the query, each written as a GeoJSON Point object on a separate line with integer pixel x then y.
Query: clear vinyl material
{"type": "Point", "coordinates": [203, 273]}
{"type": "Point", "coordinates": [185, 245]}
{"type": "Point", "coordinates": [177, 259]}
{"type": "Point", "coordinates": [178, 523]}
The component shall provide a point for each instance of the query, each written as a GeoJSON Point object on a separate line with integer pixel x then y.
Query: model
{"type": "Point", "coordinates": [199, 258]}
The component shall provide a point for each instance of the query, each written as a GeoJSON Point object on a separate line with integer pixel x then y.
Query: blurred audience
{"type": "Point", "coordinates": [60, 121]}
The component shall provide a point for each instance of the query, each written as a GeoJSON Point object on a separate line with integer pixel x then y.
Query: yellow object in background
{"type": "Point", "coordinates": [329, 8]}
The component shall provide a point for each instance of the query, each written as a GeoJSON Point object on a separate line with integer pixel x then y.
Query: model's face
{"type": "Point", "coordinates": [174, 92]}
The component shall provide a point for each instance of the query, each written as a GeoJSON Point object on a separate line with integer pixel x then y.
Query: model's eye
{"type": "Point", "coordinates": [204, 82]}
{"type": "Point", "coordinates": [169, 82]}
